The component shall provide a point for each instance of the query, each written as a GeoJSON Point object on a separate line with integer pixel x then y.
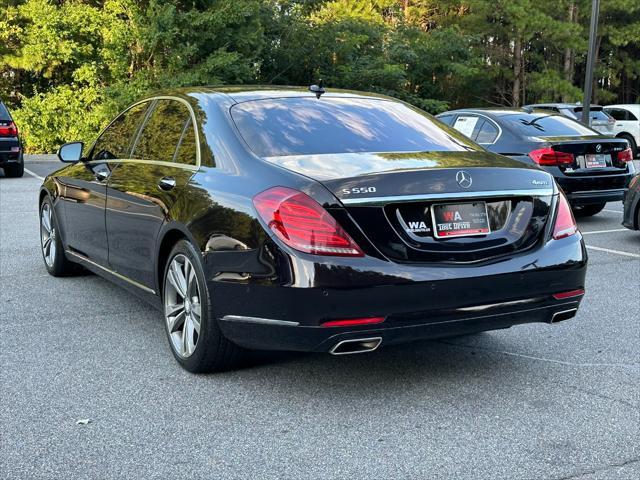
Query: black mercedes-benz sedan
{"type": "Point", "coordinates": [592, 169]}
{"type": "Point", "coordinates": [284, 219]}
{"type": "Point", "coordinates": [11, 157]}
{"type": "Point", "coordinates": [631, 204]}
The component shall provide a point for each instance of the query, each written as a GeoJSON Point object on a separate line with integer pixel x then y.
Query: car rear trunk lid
{"type": "Point", "coordinates": [400, 201]}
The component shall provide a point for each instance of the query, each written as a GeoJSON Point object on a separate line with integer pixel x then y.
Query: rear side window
{"type": "Point", "coordinates": [541, 125]}
{"type": "Point", "coordinates": [617, 114]}
{"type": "Point", "coordinates": [310, 126]}
{"type": "Point", "coordinates": [115, 141]}
{"type": "Point", "coordinates": [4, 113]}
{"type": "Point", "coordinates": [487, 133]}
{"type": "Point", "coordinates": [167, 135]}
{"type": "Point", "coordinates": [467, 125]}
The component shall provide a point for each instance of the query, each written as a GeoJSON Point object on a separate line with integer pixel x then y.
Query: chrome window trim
{"type": "Point", "coordinates": [539, 192]}
{"type": "Point", "coordinates": [152, 101]}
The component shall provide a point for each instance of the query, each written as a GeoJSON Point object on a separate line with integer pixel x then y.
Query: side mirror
{"type": "Point", "coordinates": [71, 152]}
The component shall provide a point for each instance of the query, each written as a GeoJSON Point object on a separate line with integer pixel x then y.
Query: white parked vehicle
{"type": "Point", "coordinates": [627, 124]}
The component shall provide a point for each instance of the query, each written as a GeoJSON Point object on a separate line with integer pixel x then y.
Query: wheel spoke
{"type": "Point", "coordinates": [196, 310]}
{"type": "Point", "coordinates": [185, 337]}
{"type": "Point", "coordinates": [176, 321]}
{"type": "Point", "coordinates": [45, 246]}
{"type": "Point", "coordinates": [196, 324]}
{"type": "Point", "coordinates": [52, 252]}
{"type": "Point", "coordinates": [179, 281]}
{"type": "Point", "coordinates": [46, 219]}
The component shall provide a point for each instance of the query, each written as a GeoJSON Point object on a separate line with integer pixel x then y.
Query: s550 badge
{"type": "Point", "coordinates": [356, 190]}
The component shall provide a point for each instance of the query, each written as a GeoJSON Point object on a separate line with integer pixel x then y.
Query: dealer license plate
{"type": "Point", "coordinates": [460, 220]}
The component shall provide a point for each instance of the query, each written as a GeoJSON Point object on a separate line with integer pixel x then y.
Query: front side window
{"type": "Point", "coordinates": [115, 141]}
{"type": "Point", "coordinates": [310, 126]}
{"type": "Point", "coordinates": [168, 135]}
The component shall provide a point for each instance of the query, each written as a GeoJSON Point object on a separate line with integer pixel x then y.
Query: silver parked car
{"type": "Point", "coordinates": [599, 121]}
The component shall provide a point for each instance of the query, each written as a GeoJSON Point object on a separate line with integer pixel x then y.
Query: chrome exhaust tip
{"type": "Point", "coordinates": [563, 315]}
{"type": "Point", "coordinates": [358, 345]}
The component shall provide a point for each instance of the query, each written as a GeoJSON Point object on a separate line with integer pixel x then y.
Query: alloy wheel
{"type": "Point", "coordinates": [182, 305]}
{"type": "Point", "coordinates": [47, 235]}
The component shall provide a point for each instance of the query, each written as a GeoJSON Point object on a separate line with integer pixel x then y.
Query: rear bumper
{"type": "Point", "coordinates": [418, 302]}
{"type": "Point", "coordinates": [260, 334]}
{"type": "Point", "coordinates": [595, 196]}
{"type": "Point", "coordinates": [582, 189]}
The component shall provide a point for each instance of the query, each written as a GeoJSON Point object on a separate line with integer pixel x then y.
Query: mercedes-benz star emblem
{"type": "Point", "coordinates": [598, 148]}
{"type": "Point", "coordinates": [464, 179]}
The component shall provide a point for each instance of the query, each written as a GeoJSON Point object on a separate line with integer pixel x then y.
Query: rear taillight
{"type": "Point", "coordinates": [300, 222]}
{"type": "Point", "coordinates": [549, 157]}
{"type": "Point", "coordinates": [8, 130]}
{"type": "Point", "coordinates": [565, 224]}
{"type": "Point", "coordinates": [625, 155]}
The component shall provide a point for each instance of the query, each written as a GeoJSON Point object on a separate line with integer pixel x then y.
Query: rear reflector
{"type": "Point", "coordinates": [569, 294]}
{"type": "Point", "coordinates": [300, 222]}
{"type": "Point", "coordinates": [549, 157]}
{"type": "Point", "coordinates": [625, 155]}
{"type": "Point", "coordinates": [565, 224]}
{"type": "Point", "coordinates": [353, 322]}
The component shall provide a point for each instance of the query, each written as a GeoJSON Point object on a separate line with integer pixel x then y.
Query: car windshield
{"type": "Point", "coordinates": [4, 113]}
{"type": "Point", "coordinates": [309, 126]}
{"type": "Point", "coordinates": [543, 125]}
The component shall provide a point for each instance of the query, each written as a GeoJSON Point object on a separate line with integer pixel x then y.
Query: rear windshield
{"type": "Point", "coordinates": [541, 125]}
{"type": "Point", "coordinates": [4, 114]}
{"type": "Point", "coordinates": [595, 114]}
{"type": "Point", "coordinates": [307, 126]}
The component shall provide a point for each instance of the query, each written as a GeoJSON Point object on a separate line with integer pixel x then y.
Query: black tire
{"type": "Point", "coordinates": [213, 352]}
{"type": "Point", "coordinates": [14, 171]}
{"type": "Point", "coordinates": [632, 144]}
{"type": "Point", "coordinates": [60, 266]}
{"type": "Point", "coordinates": [588, 210]}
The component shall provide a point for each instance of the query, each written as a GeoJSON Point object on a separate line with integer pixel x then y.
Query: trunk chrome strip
{"type": "Point", "coordinates": [538, 192]}
{"type": "Point", "coordinates": [115, 274]}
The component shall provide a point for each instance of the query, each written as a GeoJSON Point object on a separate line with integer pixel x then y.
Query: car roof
{"type": "Point", "coordinates": [634, 107]}
{"type": "Point", "coordinates": [495, 111]}
{"type": "Point", "coordinates": [244, 93]}
{"type": "Point", "coordinates": [561, 105]}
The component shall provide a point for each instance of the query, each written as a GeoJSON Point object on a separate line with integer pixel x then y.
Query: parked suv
{"type": "Point", "coordinates": [599, 121]}
{"type": "Point", "coordinates": [627, 124]}
{"type": "Point", "coordinates": [591, 169]}
{"type": "Point", "coordinates": [11, 160]}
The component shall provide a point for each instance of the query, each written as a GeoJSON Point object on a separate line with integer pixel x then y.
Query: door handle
{"type": "Point", "coordinates": [101, 175]}
{"type": "Point", "coordinates": [167, 183]}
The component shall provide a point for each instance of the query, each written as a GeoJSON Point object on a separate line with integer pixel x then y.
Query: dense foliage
{"type": "Point", "coordinates": [68, 65]}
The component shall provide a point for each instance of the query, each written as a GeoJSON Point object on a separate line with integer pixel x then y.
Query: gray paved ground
{"type": "Point", "coordinates": [532, 402]}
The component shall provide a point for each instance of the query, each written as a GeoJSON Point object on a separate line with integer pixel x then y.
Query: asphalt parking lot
{"type": "Point", "coordinates": [532, 402]}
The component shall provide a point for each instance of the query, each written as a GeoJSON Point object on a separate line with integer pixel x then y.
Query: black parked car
{"type": "Point", "coordinates": [285, 219]}
{"type": "Point", "coordinates": [591, 169]}
{"type": "Point", "coordinates": [11, 160]}
{"type": "Point", "coordinates": [631, 203]}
